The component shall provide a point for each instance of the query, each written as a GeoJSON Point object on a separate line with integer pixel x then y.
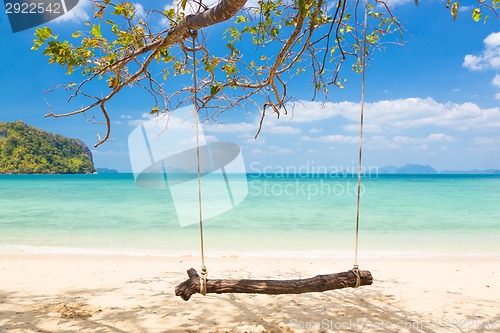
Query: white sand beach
{"type": "Point", "coordinates": [84, 293]}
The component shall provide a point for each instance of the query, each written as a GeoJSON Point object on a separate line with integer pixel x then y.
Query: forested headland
{"type": "Point", "coordinates": [27, 149]}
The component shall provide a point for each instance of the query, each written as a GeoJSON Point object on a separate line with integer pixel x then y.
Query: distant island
{"type": "Point", "coordinates": [419, 169]}
{"type": "Point", "coordinates": [106, 170]}
{"type": "Point", "coordinates": [26, 149]}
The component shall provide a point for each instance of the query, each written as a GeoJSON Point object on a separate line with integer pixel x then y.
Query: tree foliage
{"type": "Point", "coordinates": [124, 47]}
{"type": "Point", "coordinates": [26, 149]}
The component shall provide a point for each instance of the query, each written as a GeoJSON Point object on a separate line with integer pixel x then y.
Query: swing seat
{"type": "Point", "coordinates": [319, 283]}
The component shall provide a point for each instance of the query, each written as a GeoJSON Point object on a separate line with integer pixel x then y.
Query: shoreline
{"type": "Point", "coordinates": [8, 250]}
{"type": "Point", "coordinates": [71, 293]}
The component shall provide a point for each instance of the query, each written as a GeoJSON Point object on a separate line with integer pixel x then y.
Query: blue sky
{"type": "Point", "coordinates": [435, 100]}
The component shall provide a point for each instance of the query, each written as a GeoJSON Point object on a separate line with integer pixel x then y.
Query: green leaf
{"type": "Point", "coordinates": [476, 14]}
{"type": "Point", "coordinates": [302, 7]}
{"type": "Point", "coordinates": [75, 34]}
{"type": "Point", "coordinates": [169, 12]}
{"type": "Point", "coordinates": [36, 45]}
{"type": "Point", "coordinates": [43, 33]}
{"type": "Point", "coordinates": [241, 18]}
{"type": "Point", "coordinates": [454, 10]}
{"type": "Point", "coordinates": [183, 4]}
{"type": "Point", "coordinates": [154, 110]}
{"type": "Point", "coordinates": [96, 30]}
{"type": "Point", "coordinates": [214, 89]}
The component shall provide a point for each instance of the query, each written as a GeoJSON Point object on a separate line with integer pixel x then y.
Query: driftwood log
{"type": "Point", "coordinates": [318, 283]}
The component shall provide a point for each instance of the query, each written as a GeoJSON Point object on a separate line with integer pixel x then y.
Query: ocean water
{"type": "Point", "coordinates": [305, 215]}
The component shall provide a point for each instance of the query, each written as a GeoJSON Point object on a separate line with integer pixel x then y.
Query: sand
{"type": "Point", "coordinates": [83, 293]}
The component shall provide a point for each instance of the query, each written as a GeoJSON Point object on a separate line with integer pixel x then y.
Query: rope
{"type": "Point", "coordinates": [204, 272]}
{"type": "Point", "coordinates": [360, 160]}
{"type": "Point", "coordinates": [203, 280]}
{"type": "Point", "coordinates": [355, 270]}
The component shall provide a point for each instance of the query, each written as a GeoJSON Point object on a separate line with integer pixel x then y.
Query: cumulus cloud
{"type": "Point", "coordinates": [439, 137]}
{"type": "Point", "coordinates": [140, 12]}
{"type": "Point", "coordinates": [80, 13]}
{"type": "Point", "coordinates": [332, 139]}
{"type": "Point", "coordinates": [283, 130]}
{"type": "Point", "coordinates": [252, 4]}
{"type": "Point", "coordinates": [242, 127]}
{"type": "Point", "coordinates": [399, 141]}
{"type": "Point", "coordinates": [272, 150]}
{"type": "Point", "coordinates": [191, 7]}
{"type": "Point", "coordinates": [270, 127]}
{"type": "Point", "coordinates": [310, 112]}
{"type": "Point", "coordinates": [410, 123]}
{"type": "Point", "coordinates": [496, 81]}
{"type": "Point", "coordinates": [315, 130]}
{"type": "Point", "coordinates": [489, 58]}
{"type": "Point", "coordinates": [108, 152]}
{"type": "Point", "coordinates": [394, 3]}
{"type": "Point", "coordinates": [280, 150]}
{"type": "Point", "coordinates": [492, 140]}
{"type": "Point", "coordinates": [399, 114]}
{"type": "Point", "coordinates": [138, 122]}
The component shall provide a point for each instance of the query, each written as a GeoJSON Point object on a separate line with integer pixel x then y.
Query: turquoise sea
{"type": "Point", "coordinates": [307, 215]}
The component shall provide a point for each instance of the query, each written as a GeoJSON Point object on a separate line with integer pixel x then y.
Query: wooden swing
{"type": "Point", "coordinates": [354, 278]}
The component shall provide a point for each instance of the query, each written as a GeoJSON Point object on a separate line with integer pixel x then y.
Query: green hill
{"type": "Point", "coordinates": [26, 149]}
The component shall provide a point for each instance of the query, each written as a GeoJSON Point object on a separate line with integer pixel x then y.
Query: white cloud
{"type": "Point", "coordinates": [211, 138]}
{"type": "Point", "coordinates": [399, 114]}
{"type": "Point", "coordinates": [283, 130]}
{"type": "Point", "coordinates": [398, 142]}
{"type": "Point", "coordinates": [139, 122]}
{"type": "Point", "coordinates": [78, 14]}
{"type": "Point", "coordinates": [394, 3]}
{"type": "Point", "coordinates": [253, 141]}
{"type": "Point", "coordinates": [439, 137]}
{"type": "Point", "coordinates": [332, 139]}
{"type": "Point", "coordinates": [310, 112]}
{"type": "Point", "coordinates": [243, 127]}
{"type": "Point", "coordinates": [270, 126]}
{"type": "Point", "coordinates": [280, 150]}
{"type": "Point", "coordinates": [191, 7]}
{"type": "Point", "coordinates": [464, 9]}
{"type": "Point", "coordinates": [140, 12]}
{"type": "Point", "coordinates": [496, 81]}
{"type": "Point", "coordinates": [315, 130]}
{"type": "Point", "coordinates": [492, 140]}
{"type": "Point", "coordinates": [109, 152]}
{"type": "Point", "coordinates": [436, 137]}
{"type": "Point", "coordinates": [404, 140]}
{"type": "Point", "coordinates": [489, 57]}
{"type": "Point", "coordinates": [493, 39]}
{"type": "Point", "coordinates": [252, 4]}
{"type": "Point", "coordinates": [497, 96]}
{"type": "Point", "coordinates": [272, 150]}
